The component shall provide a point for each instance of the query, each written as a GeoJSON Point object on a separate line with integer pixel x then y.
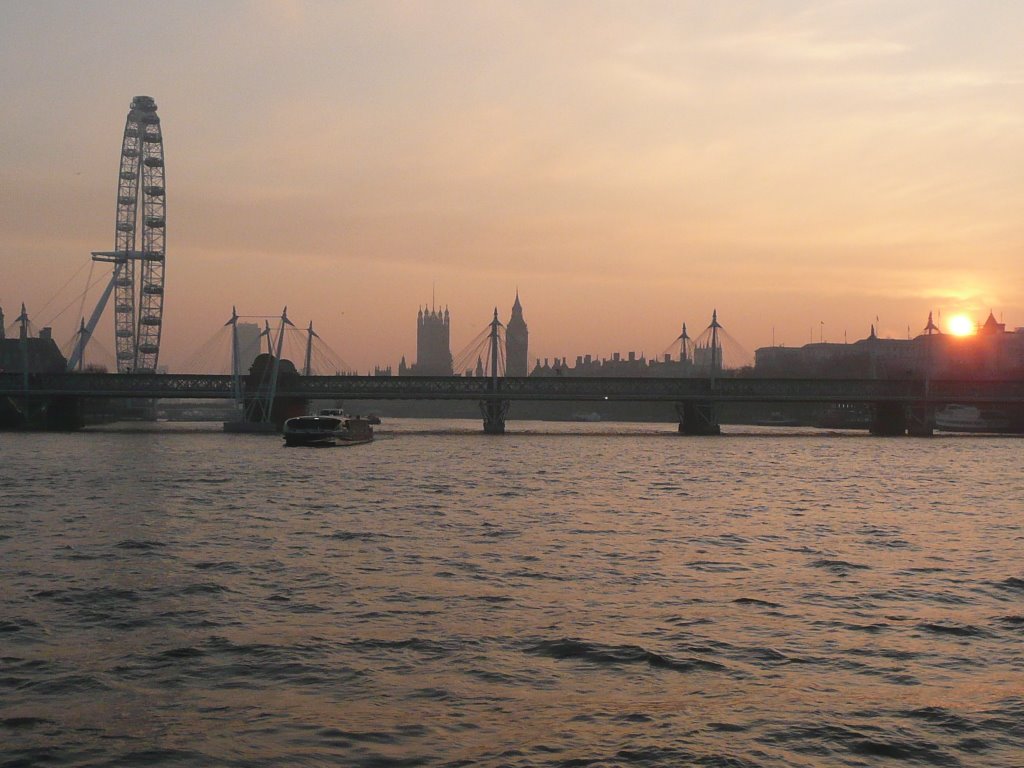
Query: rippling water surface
{"type": "Point", "coordinates": [616, 596]}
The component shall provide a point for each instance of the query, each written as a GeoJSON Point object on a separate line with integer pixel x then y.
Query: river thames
{"type": "Point", "coordinates": [564, 595]}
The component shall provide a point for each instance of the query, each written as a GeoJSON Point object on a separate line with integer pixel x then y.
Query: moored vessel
{"type": "Point", "coordinates": [845, 416]}
{"type": "Point", "coordinates": [968, 418]}
{"type": "Point", "coordinates": [777, 419]}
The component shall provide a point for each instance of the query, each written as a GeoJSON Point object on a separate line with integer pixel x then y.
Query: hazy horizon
{"type": "Point", "coordinates": [803, 168]}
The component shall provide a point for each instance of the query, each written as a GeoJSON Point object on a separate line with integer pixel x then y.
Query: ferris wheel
{"type": "Point", "coordinates": [141, 204]}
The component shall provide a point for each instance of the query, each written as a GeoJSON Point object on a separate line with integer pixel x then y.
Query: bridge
{"type": "Point", "coordinates": [898, 405]}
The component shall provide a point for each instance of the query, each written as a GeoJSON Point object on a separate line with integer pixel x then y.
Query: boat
{"type": "Point", "coordinates": [777, 419]}
{"type": "Point", "coordinates": [968, 418]}
{"type": "Point", "coordinates": [330, 427]}
{"type": "Point", "coordinates": [845, 416]}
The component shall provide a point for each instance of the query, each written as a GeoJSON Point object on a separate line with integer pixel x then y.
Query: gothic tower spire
{"type": "Point", "coordinates": [517, 342]}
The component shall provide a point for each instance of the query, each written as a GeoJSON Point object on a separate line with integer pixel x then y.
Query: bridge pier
{"type": "Point", "coordinates": [494, 412]}
{"type": "Point", "coordinates": [64, 413]}
{"type": "Point", "coordinates": [921, 420]}
{"type": "Point", "coordinates": [254, 409]}
{"type": "Point", "coordinates": [698, 418]}
{"type": "Point", "coordinates": [888, 419]}
{"type": "Point", "coordinates": [54, 413]}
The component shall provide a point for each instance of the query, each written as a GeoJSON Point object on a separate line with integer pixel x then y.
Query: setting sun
{"type": "Point", "coordinates": [961, 325]}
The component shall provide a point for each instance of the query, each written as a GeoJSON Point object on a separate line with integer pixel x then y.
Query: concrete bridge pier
{"type": "Point", "coordinates": [889, 418]}
{"type": "Point", "coordinates": [55, 413]}
{"type": "Point", "coordinates": [698, 418]}
{"type": "Point", "coordinates": [494, 412]}
{"type": "Point", "coordinates": [254, 409]}
{"type": "Point", "coordinates": [921, 420]}
{"type": "Point", "coordinates": [64, 412]}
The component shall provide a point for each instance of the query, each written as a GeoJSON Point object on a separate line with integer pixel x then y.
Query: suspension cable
{"type": "Point", "coordinates": [76, 298]}
{"type": "Point", "coordinates": [66, 284]}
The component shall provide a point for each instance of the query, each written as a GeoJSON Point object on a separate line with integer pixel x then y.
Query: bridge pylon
{"type": "Point", "coordinates": [493, 410]}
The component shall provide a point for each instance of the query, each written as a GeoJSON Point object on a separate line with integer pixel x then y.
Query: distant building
{"type": "Point", "coordinates": [699, 358]}
{"type": "Point", "coordinates": [38, 354]}
{"type": "Point", "coordinates": [248, 344]}
{"type": "Point", "coordinates": [629, 366]}
{"type": "Point", "coordinates": [517, 343]}
{"type": "Point", "coordinates": [433, 345]}
{"type": "Point", "coordinates": [707, 358]}
{"type": "Point", "coordinates": [992, 353]}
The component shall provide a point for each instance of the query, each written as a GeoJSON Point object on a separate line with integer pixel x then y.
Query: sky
{"type": "Point", "coordinates": [805, 168]}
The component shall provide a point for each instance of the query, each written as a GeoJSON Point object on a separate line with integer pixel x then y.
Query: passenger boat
{"type": "Point", "coordinates": [330, 427]}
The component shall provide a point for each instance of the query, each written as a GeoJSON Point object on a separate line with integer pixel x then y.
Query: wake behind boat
{"type": "Point", "coordinates": [328, 428]}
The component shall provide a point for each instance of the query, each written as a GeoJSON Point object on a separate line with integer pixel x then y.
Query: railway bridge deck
{"type": "Point", "coordinates": [898, 404]}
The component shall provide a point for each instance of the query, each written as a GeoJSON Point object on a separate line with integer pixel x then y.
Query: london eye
{"type": "Point", "coordinates": [141, 205]}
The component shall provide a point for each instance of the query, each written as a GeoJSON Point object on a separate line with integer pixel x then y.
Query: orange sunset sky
{"type": "Point", "coordinates": [803, 167]}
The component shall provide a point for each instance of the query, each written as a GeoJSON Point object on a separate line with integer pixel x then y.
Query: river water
{"type": "Point", "coordinates": [564, 595]}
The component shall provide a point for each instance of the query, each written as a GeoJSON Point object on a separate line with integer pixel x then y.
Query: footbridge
{"type": "Point", "coordinates": [898, 405]}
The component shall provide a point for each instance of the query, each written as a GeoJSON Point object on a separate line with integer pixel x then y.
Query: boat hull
{"type": "Point", "coordinates": [323, 441]}
{"type": "Point", "coordinates": [326, 431]}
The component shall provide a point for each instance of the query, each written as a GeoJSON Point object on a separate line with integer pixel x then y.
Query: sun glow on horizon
{"type": "Point", "coordinates": [961, 325]}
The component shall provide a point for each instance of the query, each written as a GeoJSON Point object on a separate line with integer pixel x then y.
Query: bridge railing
{"type": "Point", "coordinates": [117, 385]}
{"type": "Point", "coordinates": [156, 385]}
